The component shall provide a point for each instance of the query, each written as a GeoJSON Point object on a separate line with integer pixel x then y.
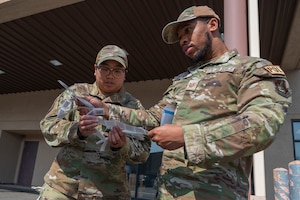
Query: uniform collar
{"type": "Point", "coordinates": [222, 59]}
{"type": "Point", "coordinates": [116, 98]}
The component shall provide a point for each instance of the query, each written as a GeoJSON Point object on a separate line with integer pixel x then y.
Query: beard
{"type": "Point", "coordinates": [203, 52]}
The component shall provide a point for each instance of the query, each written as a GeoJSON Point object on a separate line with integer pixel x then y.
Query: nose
{"type": "Point", "coordinates": [183, 40]}
{"type": "Point", "coordinates": [110, 73]}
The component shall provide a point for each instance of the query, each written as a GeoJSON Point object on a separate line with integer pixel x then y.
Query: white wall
{"type": "Point", "coordinates": [10, 146]}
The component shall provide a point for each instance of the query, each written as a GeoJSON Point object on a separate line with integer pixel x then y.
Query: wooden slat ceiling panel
{"type": "Point", "coordinates": [74, 34]}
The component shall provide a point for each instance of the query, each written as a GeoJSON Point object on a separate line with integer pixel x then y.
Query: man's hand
{"type": "Point", "coordinates": [87, 125]}
{"type": "Point", "coordinates": [97, 103]}
{"type": "Point", "coordinates": [168, 136]}
{"type": "Point", "coordinates": [116, 138]}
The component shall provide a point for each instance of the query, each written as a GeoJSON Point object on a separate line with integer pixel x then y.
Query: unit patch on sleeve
{"type": "Point", "coordinates": [282, 88]}
{"type": "Point", "coordinates": [274, 69]}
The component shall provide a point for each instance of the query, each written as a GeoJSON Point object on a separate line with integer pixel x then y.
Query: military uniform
{"type": "Point", "coordinates": [229, 108]}
{"type": "Point", "coordinates": [81, 170]}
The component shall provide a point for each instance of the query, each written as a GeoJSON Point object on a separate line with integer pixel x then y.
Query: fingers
{"type": "Point", "coordinates": [97, 103]}
{"type": "Point", "coordinates": [87, 124]}
{"type": "Point", "coordinates": [152, 134]}
{"type": "Point", "coordinates": [89, 99]}
{"type": "Point", "coordinates": [87, 119]}
{"type": "Point", "coordinates": [83, 110]}
{"type": "Point", "coordinates": [116, 137]}
{"type": "Point", "coordinates": [168, 136]}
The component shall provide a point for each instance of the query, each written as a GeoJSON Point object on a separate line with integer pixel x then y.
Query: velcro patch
{"type": "Point", "coordinates": [282, 88]}
{"type": "Point", "coordinates": [221, 69]}
{"type": "Point", "coordinates": [192, 85]}
{"type": "Point", "coordinates": [274, 69]}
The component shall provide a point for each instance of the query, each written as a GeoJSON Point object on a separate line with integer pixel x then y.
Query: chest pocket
{"type": "Point", "coordinates": [208, 93]}
{"type": "Point", "coordinates": [213, 84]}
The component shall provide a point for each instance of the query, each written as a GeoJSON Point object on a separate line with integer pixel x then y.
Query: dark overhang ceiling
{"type": "Point", "coordinates": [73, 31]}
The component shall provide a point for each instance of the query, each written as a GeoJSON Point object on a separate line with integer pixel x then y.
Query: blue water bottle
{"type": "Point", "coordinates": [168, 114]}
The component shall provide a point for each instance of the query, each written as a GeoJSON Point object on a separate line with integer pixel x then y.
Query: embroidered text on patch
{"type": "Point", "coordinates": [274, 69]}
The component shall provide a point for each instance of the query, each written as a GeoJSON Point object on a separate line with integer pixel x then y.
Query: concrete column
{"type": "Point", "coordinates": [235, 25]}
{"type": "Point", "coordinates": [235, 36]}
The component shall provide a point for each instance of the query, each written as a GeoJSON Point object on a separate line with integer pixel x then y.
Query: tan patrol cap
{"type": "Point", "coordinates": [112, 52]}
{"type": "Point", "coordinates": [169, 32]}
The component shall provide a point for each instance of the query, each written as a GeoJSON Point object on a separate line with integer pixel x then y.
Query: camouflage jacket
{"type": "Point", "coordinates": [80, 169]}
{"type": "Point", "coordinates": [229, 108]}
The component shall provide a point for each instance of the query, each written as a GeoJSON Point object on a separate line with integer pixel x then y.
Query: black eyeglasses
{"type": "Point", "coordinates": [105, 71]}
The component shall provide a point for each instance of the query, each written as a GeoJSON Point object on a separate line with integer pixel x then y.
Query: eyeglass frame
{"type": "Point", "coordinates": [110, 71]}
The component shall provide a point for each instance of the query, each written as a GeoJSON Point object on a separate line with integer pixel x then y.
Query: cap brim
{"type": "Point", "coordinates": [169, 32]}
{"type": "Point", "coordinates": [120, 60]}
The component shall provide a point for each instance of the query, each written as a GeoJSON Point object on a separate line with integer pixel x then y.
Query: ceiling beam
{"type": "Point", "coordinates": [15, 9]}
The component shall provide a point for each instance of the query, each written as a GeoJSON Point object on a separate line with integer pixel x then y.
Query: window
{"type": "Point", "coordinates": [296, 138]}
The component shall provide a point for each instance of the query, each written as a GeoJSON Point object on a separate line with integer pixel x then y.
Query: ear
{"type": "Point", "coordinates": [213, 24]}
{"type": "Point", "coordinates": [95, 68]}
{"type": "Point", "coordinates": [126, 71]}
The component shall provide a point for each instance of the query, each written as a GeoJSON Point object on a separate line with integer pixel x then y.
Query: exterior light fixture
{"type": "Point", "coordinates": [55, 63]}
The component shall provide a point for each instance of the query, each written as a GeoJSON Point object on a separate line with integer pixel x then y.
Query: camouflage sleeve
{"type": "Point", "coordinates": [262, 100]}
{"type": "Point", "coordinates": [58, 132]}
{"type": "Point", "coordinates": [136, 117]}
{"type": "Point", "coordinates": [136, 151]}
{"type": "Point", "coordinates": [136, 104]}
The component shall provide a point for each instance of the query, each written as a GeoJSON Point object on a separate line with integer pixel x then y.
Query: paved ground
{"type": "Point", "coordinates": [11, 192]}
{"type": "Point", "coordinates": [15, 192]}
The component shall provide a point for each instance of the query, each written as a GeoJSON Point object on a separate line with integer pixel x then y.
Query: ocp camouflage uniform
{"type": "Point", "coordinates": [229, 108]}
{"type": "Point", "coordinates": [80, 170]}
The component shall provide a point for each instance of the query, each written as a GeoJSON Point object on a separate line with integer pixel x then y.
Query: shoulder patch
{"type": "Point", "coordinates": [274, 69]}
{"type": "Point", "coordinates": [282, 88]}
{"type": "Point", "coordinates": [81, 89]}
